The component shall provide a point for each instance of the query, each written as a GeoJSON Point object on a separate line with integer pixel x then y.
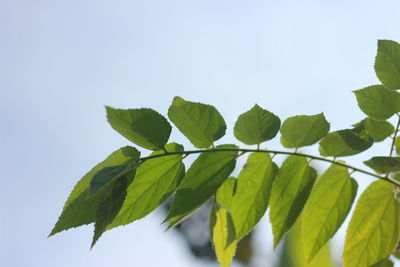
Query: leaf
{"type": "Point", "coordinates": [156, 179]}
{"type": "Point", "coordinates": [299, 131]}
{"type": "Point", "coordinates": [202, 124]}
{"type": "Point", "coordinates": [221, 227]}
{"type": "Point", "coordinates": [373, 231]}
{"type": "Point", "coordinates": [144, 127]}
{"type": "Point", "coordinates": [345, 143]}
{"type": "Point", "coordinates": [378, 130]}
{"type": "Point", "coordinates": [387, 63]}
{"type": "Point", "coordinates": [384, 263]}
{"type": "Point", "coordinates": [200, 182]}
{"type": "Point", "coordinates": [252, 193]}
{"type": "Point", "coordinates": [109, 206]}
{"type": "Point", "coordinates": [326, 208]}
{"type": "Point", "coordinates": [256, 126]}
{"type": "Point", "coordinates": [79, 209]}
{"type": "Point", "coordinates": [224, 195]}
{"type": "Point", "coordinates": [384, 164]}
{"type": "Point", "coordinates": [289, 193]}
{"type": "Point", "coordinates": [397, 145]}
{"type": "Point", "coordinates": [378, 102]}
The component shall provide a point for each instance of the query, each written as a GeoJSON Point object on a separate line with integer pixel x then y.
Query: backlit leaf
{"type": "Point", "coordinates": [299, 131]}
{"type": "Point", "coordinates": [384, 164]}
{"type": "Point", "coordinates": [384, 263]}
{"type": "Point", "coordinates": [289, 193]}
{"type": "Point", "coordinates": [252, 193]}
{"type": "Point", "coordinates": [144, 127]}
{"type": "Point", "coordinates": [202, 124]}
{"type": "Point", "coordinates": [387, 63]}
{"type": "Point", "coordinates": [224, 195]}
{"type": "Point", "coordinates": [378, 130]}
{"type": "Point", "coordinates": [79, 209]}
{"type": "Point", "coordinates": [200, 182]}
{"type": "Point", "coordinates": [378, 102]}
{"type": "Point", "coordinates": [374, 228]}
{"type": "Point", "coordinates": [326, 208]}
{"type": "Point", "coordinates": [256, 126]}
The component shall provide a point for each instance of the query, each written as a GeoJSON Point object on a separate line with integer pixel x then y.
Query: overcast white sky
{"type": "Point", "coordinates": [62, 61]}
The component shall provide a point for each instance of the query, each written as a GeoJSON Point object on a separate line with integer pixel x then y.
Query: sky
{"type": "Point", "coordinates": [61, 62]}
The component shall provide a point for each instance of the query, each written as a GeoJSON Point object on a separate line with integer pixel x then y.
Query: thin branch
{"type": "Point", "coordinates": [394, 137]}
{"type": "Point", "coordinates": [242, 150]}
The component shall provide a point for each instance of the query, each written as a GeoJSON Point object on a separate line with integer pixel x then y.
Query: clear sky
{"type": "Point", "coordinates": [62, 61]}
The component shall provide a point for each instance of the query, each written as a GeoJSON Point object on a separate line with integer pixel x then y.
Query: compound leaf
{"type": "Point", "coordinates": [155, 180]}
{"type": "Point", "coordinates": [326, 208]}
{"type": "Point", "coordinates": [200, 182]}
{"type": "Point", "coordinates": [79, 209]}
{"type": "Point", "coordinates": [144, 127]}
{"type": "Point", "coordinates": [252, 193]}
{"type": "Point", "coordinates": [384, 164]}
{"type": "Point", "coordinates": [202, 124]}
{"type": "Point", "coordinates": [378, 102]}
{"type": "Point", "coordinates": [387, 63]}
{"type": "Point", "coordinates": [289, 193]}
{"type": "Point", "coordinates": [256, 126]}
{"type": "Point", "coordinates": [374, 228]}
{"type": "Point", "coordinates": [303, 130]}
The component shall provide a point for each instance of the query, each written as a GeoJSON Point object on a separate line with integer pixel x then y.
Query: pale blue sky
{"type": "Point", "coordinates": [62, 61]}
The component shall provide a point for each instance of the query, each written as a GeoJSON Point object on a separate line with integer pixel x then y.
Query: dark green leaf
{"type": "Point", "coordinates": [384, 263]}
{"type": "Point", "coordinates": [397, 145]}
{"type": "Point", "coordinates": [384, 164]}
{"type": "Point", "coordinates": [387, 63]}
{"type": "Point", "coordinates": [326, 208]}
{"type": "Point", "coordinates": [79, 209]}
{"type": "Point", "coordinates": [200, 182]}
{"type": "Point", "coordinates": [374, 228]}
{"type": "Point", "coordinates": [156, 179]}
{"type": "Point", "coordinates": [378, 102]}
{"type": "Point", "coordinates": [299, 131]}
{"type": "Point", "coordinates": [224, 195]}
{"type": "Point", "coordinates": [378, 130]}
{"type": "Point", "coordinates": [289, 194]}
{"type": "Point", "coordinates": [202, 124]}
{"type": "Point", "coordinates": [109, 206]}
{"type": "Point", "coordinates": [256, 126]}
{"type": "Point", "coordinates": [144, 127]}
{"type": "Point", "coordinates": [252, 193]}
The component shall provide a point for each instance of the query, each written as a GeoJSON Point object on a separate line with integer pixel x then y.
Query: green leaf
{"type": "Point", "coordinates": [326, 208]}
{"type": "Point", "coordinates": [378, 130]}
{"type": "Point", "coordinates": [397, 145]}
{"type": "Point", "coordinates": [289, 193]}
{"type": "Point", "coordinates": [256, 126]}
{"type": "Point", "coordinates": [202, 124]}
{"type": "Point", "coordinates": [378, 102]}
{"type": "Point", "coordinates": [79, 209]}
{"type": "Point", "coordinates": [156, 179]}
{"type": "Point", "coordinates": [224, 195]}
{"type": "Point", "coordinates": [344, 143]}
{"type": "Point", "coordinates": [200, 182]}
{"type": "Point", "coordinates": [384, 263]}
{"type": "Point", "coordinates": [384, 164]}
{"type": "Point", "coordinates": [144, 127]}
{"type": "Point", "coordinates": [387, 63]}
{"type": "Point", "coordinates": [299, 131]}
{"type": "Point", "coordinates": [373, 231]}
{"type": "Point", "coordinates": [252, 193]}
{"type": "Point", "coordinates": [109, 206]}
{"type": "Point", "coordinates": [222, 228]}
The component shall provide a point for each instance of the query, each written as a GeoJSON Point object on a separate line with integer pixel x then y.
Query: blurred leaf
{"type": "Point", "coordinates": [378, 102]}
{"type": "Point", "coordinates": [378, 130]}
{"type": "Point", "coordinates": [384, 164]}
{"type": "Point", "coordinates": [200, 182]}
{"type": "Point", "coordinates": [144, 127]}
{"type": "Point", "coordinates": [397, 145]}
{"type": "Point", "coordinates": [384, 263]}
{"type": "Point", "coordinates": [299, 131]}
{"type": "Point", "coordinates": [202, 124]}
{"type": "Point", "coordinates": [289, 193]}
{"type": "Point", "coordinates": [327, 207]}
{"type": "Point", "coordinates": [387, 63]}
{"type": "Point", "coordinates": [256, 126]}
{"type": "Point", "coordinates": [373, 231]}
{"type": "Point", "coordinates": [79, 209]}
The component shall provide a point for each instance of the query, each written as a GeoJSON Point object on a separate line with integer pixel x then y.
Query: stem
{"type": "Point", "coordinates": [242, 150]}
{"type": "Point", "coordinates": [394, 137]}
